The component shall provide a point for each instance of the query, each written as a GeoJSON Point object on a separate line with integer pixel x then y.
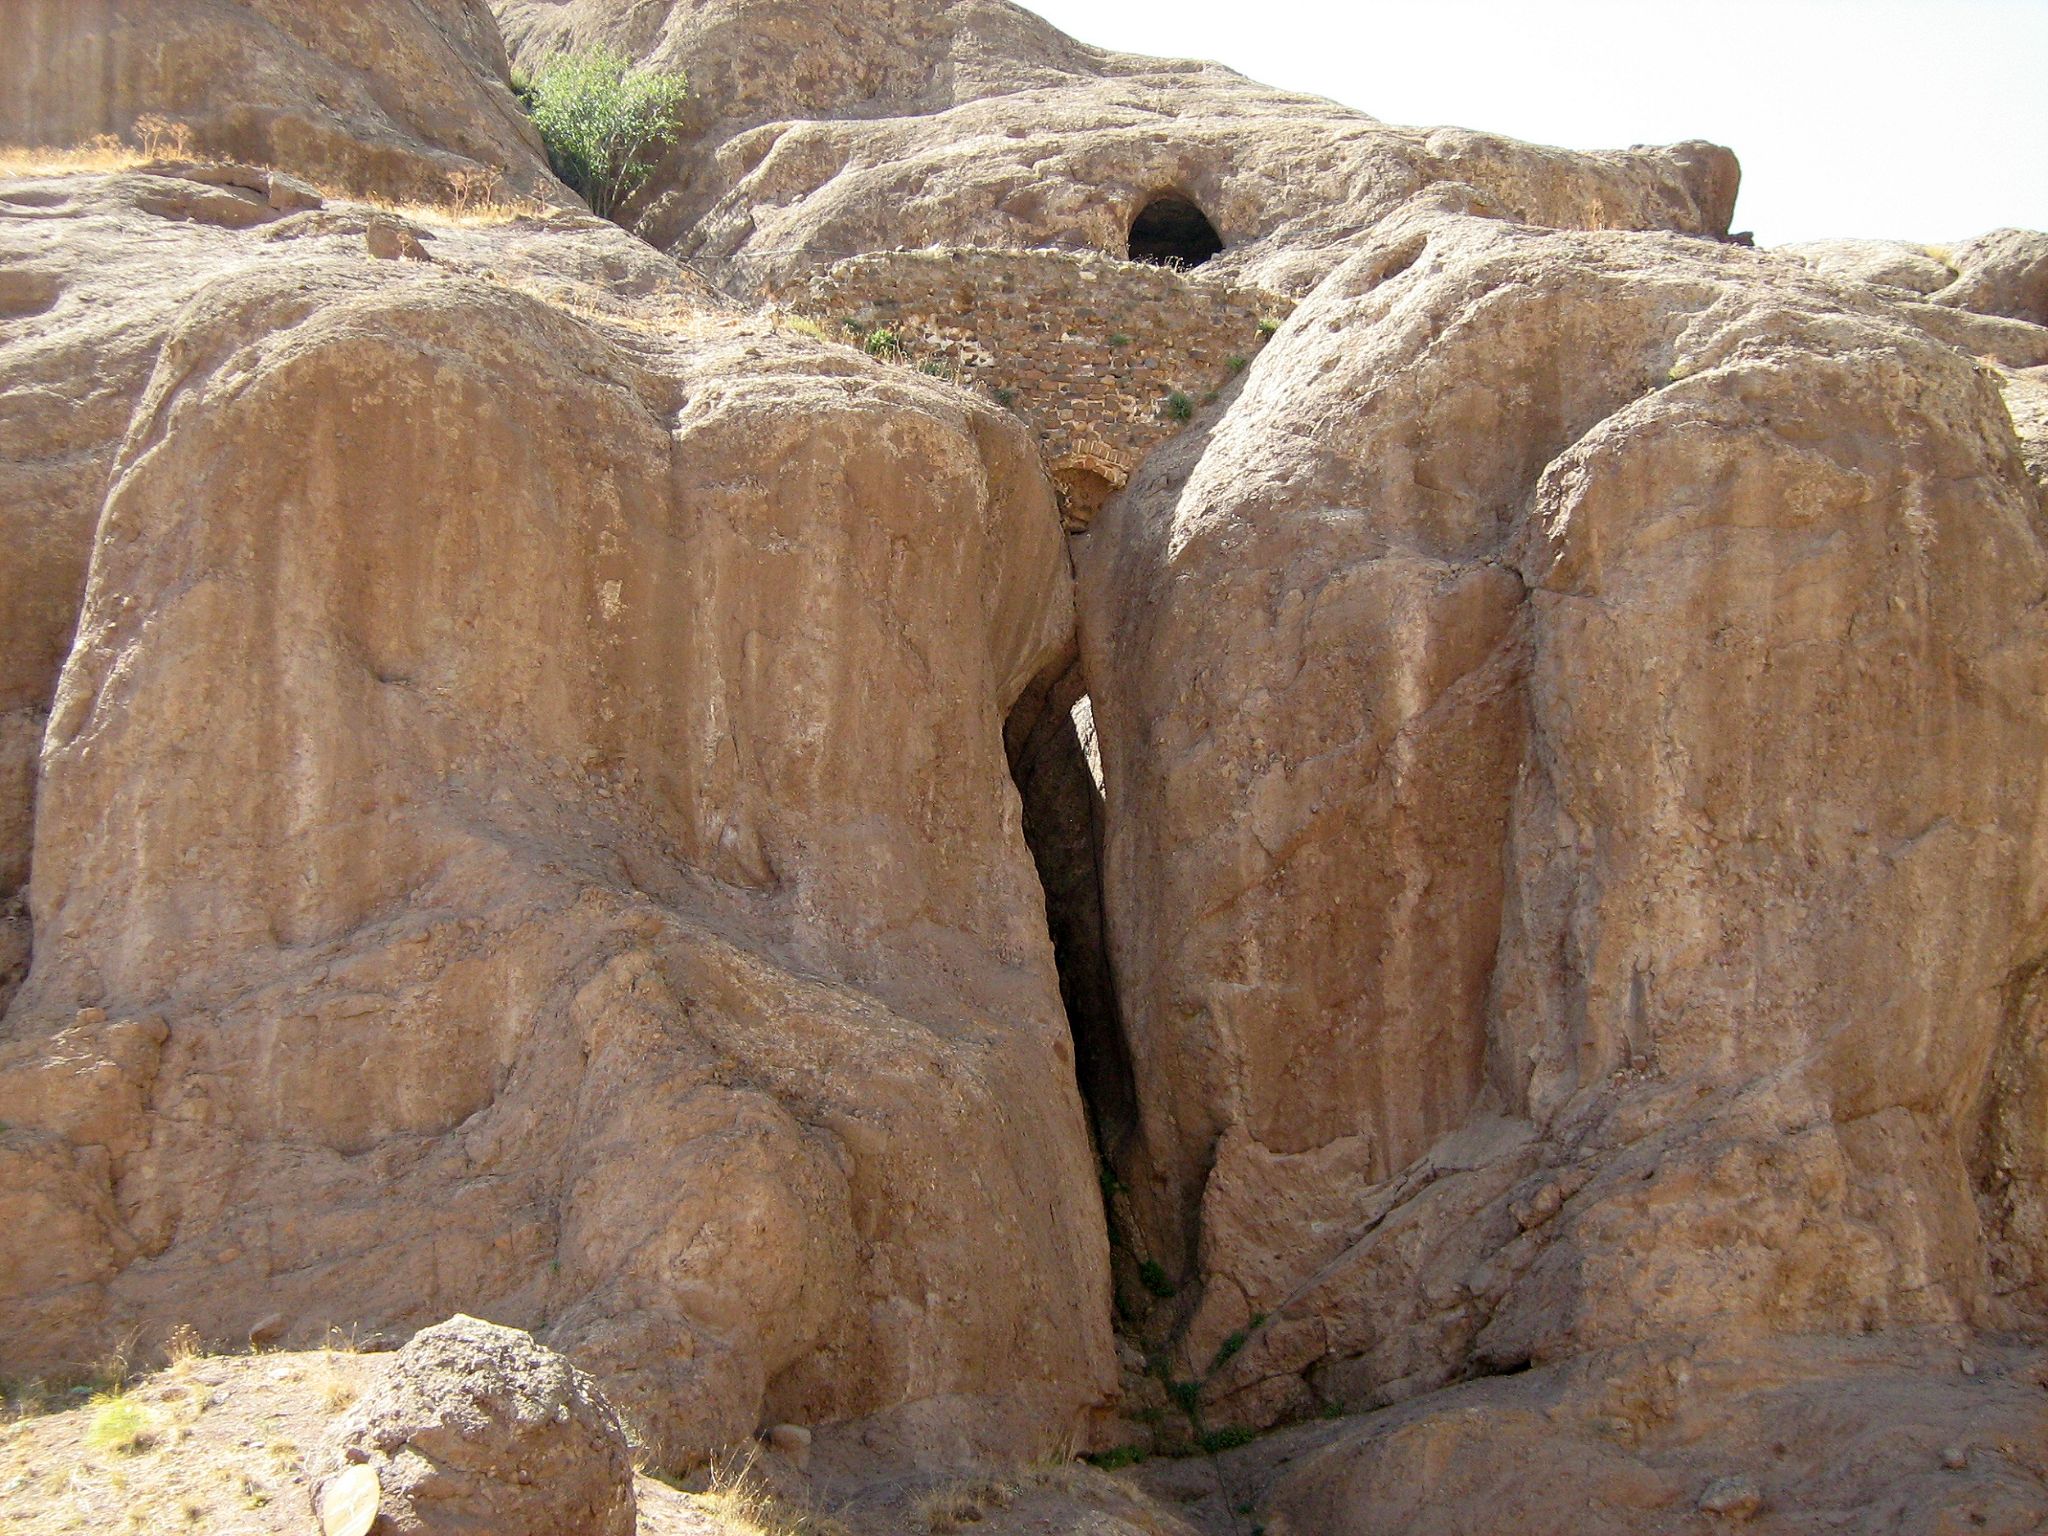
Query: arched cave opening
{"type": "Point", "coordinates": [1170, 231]}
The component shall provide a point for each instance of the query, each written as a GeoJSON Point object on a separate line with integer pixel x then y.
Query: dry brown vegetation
{"type": "Point", "coordinates": [209, 1443]}
{"type": "Point", "coordinates": [476, 197]}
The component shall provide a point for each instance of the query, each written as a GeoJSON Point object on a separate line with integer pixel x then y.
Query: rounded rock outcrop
{"type": "Point", "coordinates": [478, 1429]}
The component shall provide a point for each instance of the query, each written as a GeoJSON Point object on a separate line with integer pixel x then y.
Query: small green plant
{"type": "Point", "coordinates": [1228, 1348]}
{"type": "Point", "coordinates": [940, 368]}
{"type": "Point", "coordinates": [1119, 339]}
{"type": "Point", "coordinates": [883, 343]}
{"type": "Point", "coordinates": [1152, 1275]}
{"type": "Point", "coordinates": [1237, 364]}
{"type": "Point", "coordinates": [1226, 1439]}
{"type": "Point", "coordinates": [803, 325]}
{"type": "Point", "coordinates": [602, 121]}
{"type": "Point", "coordinates": [1333, 1410]}
{"type": "Point", "coordinates": [1112, 1186]}
{"type": "Point", "coordinates": [1188, 1394]}
{"type": "Point", "coordinates": [1006, 398]}
{"type": "Point", "coordinates": [1268, 327]}
{"type": "Point", "coordinates": [1258, 1321]}
{"type": "Point", "coordinates": [1180, 406]}
{"type": "Point", "coordinates": [119, 1426]}
{"type": "Point", "coordinates": [1115, 1457]}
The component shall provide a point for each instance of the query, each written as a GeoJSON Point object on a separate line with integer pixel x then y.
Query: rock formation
{"type": "Point", "coordinates": [522, 774]}
{"type": "Point", "coordinates": [477, 1428]}
{"type": "Point", "coordinates": [819, 132]}
{"type": "Point", "coordinates": [394, 97]}
{"type": "Point", "coordinates": [455, 878]}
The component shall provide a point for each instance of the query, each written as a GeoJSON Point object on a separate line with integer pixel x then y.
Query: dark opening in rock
{"type": "Point", "coordinates": [1171, 231]}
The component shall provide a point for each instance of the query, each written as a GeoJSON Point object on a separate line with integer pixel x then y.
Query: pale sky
{"type": "Point", "coordinates": [1922, 120]}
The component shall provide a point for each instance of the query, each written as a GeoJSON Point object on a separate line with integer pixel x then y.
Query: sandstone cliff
{"type": "Point", "coordinates": [1489, 887]}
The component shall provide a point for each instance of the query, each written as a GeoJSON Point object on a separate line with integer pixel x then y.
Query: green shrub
{"type": "Point", "coordinates": [1227, 1348]}
{"type": "Point", "coordinates": [1119, 339]}
{"type": "Point", "coordinates": [1268, 327]}
{"type": "Point", "coordinates": [1188, 1394]}
{"type": "Point", "coordinates": [1237, 364]}
{"type": "Point", "coordinates": [883, 343]}
{"type": "Point", "coordinates": [1152, 1275]}
{"type": "Point", "coordinates": [602, 120]}
{"type": "Point", "coordinates": [1180, 406]}
{"type": "Point", "coordinates": [1226, 1439]}
{"type": "Point", "coordinates": [1005, 398]}
{"type": "Point", "coordinates": [119, 1425]}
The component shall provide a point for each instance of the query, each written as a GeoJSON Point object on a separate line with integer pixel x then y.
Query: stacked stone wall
{"type": "Point", "coordinates": [1105, 358]}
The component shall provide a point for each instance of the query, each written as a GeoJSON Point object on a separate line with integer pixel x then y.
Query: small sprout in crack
{"type": "Point", "coordinates": [1228, 1348]}
{"type": "Point", "coordinates": [1115, 1457]}
{"type": "Point", "coordinates": [1237, 364]}
{"type": "Point", "coordinates": [1333, 1409]}
{"type": "Point", "coordinates": [1188, 1394]}
{"type": "Point", "coordinates": [1226, 1439]}
{"type": "Point", "coordinates": [1180, 406]}
{"type": "Point", "coordinates": [1152, 1275]}
{"type": "Point", "coordinates": [1258, 1321]}
{"type": "Point", "coordinates": [1006, 398]}
{"type": "Point", "coordinates": [1268, 327]}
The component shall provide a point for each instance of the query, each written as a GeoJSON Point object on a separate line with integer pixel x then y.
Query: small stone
{"type": "Point", "coordinates": [1733, 1498]}
{"type": "Point", "coordinates": [348, 1501]}
{"type": "Point", "coordinates": [267, 1330]}
{"type": "Point", "coordinates": [288, 194]}
{"type": "Point", "coordinates": [793, 1441]}
{"type": "Point", "coordinates": [389, 241]}
{"type": "Point", "coordinates": [1967, 1366]}
{"type": "Point", "coordinates": [1955, 1457]}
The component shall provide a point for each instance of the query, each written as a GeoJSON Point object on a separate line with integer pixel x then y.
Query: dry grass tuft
{"type": "Point", "coordinates": [105, 153]}
{"type": "Point", "coordinates": [743, 1504]}
{"type": "Point", "coordinates": [475, 198]}
{"type": "Point", "coordinates": [955, 1506]}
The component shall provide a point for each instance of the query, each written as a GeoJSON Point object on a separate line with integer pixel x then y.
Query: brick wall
{"type": "Point", "coordinates": [1088, 349]}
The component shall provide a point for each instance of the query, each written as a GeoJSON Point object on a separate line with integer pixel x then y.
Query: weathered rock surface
{"type": "Point", "coordinates": [476, 1428]}
{"type": "Point", "coordinates": [821, 132]}
{"type": "Point", "coordinates": [456, 870]}
{"type": "Point", "coordinates": [504, 755]}
{"type": "Point", "coordinates": [1808, 1437]}
{"type": "Point", "coordinates": [386, 96]}
{"type": "Point", "coordinates": [1571, 730]}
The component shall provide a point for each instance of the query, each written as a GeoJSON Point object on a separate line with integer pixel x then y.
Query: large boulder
{"type": "Point", "coordinates": [1572, 731]}
{"type": "Point", "coordinates": [475, 1430]}
{"type": "Point", "coordinates": [543, 847]}
{"type": "Point", "coordinates": [397, 97]}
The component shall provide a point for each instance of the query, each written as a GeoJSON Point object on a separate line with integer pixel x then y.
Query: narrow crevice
{"type": "Point", "coordinates": [1050, 737]}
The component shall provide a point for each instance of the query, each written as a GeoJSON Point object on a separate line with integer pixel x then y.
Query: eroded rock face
{"type": "Point", "coordinates": [543, 846]}
{"type": "Point", "coordinates": [818, 132]}
{"type": "Point", "coordinates": [1571, 730]}
{"type": "Point", "coordinates": [390, 96]}
{"type": "Point", "coordinates": [1805, 1436]}
{"type": "Point", "coordinates": [476, 1428]}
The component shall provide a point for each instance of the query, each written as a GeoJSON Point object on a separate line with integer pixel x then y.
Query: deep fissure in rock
{"type": "Point", "coordinates": [1171, 231]}
{"type": "Point", "coordinates": [1049, 736]}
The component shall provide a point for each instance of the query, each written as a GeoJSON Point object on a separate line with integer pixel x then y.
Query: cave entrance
{"type": "Point", "coordinates": [1170, 231]}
